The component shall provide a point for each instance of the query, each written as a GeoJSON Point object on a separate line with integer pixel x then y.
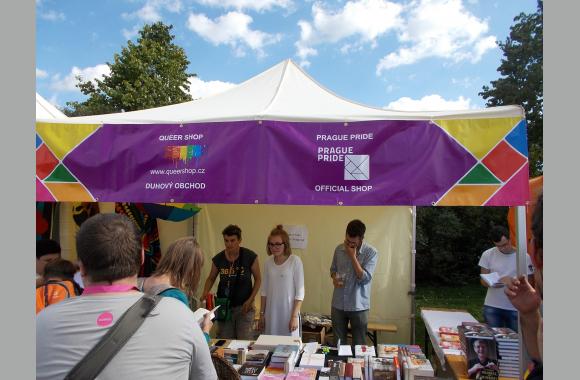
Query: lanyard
{"type": "Point", "coordinates": [94, 289]}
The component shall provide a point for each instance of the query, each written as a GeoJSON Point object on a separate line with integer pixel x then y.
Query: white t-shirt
{"type": "Point", "coordinates": [168, 345]}
{"type": "Point", "coordinates": [282, 284]}
{"type": "Point", "coordinates": [504, 265]}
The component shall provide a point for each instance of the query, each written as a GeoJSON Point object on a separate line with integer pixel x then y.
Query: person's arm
{"type": "Point", "coordinates": [475, 369]}
{"type": "Point", "coordinates": [368, 268]}
{"type": "Point", "coordinates": [209, 281]}
{"type": "Point", "coordinates": [334, 270]}
{"type": "Point", "coordinates": [351, 254]}
{"type": "Point", "coordinates": [527, 301]}
{"type": "Point", "coordinates": [298, 277]}
{"type": "Point", "coordinates": [294, 320]}
{"type": "Point", "coordinates": [247, 306]}
{"type": "Point", "coordinates": [263, 299]}
{"type": "Point", "coordinates": [484, 271]}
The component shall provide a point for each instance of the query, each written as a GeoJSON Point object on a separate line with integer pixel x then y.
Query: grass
{"type": "Point", "coordinates": [467, 297]}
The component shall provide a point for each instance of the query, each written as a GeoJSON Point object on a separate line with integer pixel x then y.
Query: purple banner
{"type": "Point", "coordinates": [362, 163]}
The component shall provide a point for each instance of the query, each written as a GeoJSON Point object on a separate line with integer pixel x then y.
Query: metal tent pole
{"type": "Point", "coordinates": [522, 251]}
{"type": "Point", "coordinates": [413, 255]}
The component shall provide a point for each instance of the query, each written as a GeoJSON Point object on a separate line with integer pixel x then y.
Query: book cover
{"type": "Point", "coordinates": [235, 344]}
{"type": "Point", "coordinates": [281, 352]}
{"type": "Point", "coordinates": [312, 361]}
{"type": "Point", "coordinates": [250, 371]}
{"type": "Point", "coordinates": [481, 355]}
{"type": "Point", "coordinates": [257, 356]}
{"type": "Point", "coordinates": [449, 337]}
{"type": "Point", "coordinates": [307, 373]}
{"type": "Point", "coordinates": [364, 350]}
{"type": "Point", "coordinates": [387, 350]}
{"type": "Point", "coordinates": [269, 342]}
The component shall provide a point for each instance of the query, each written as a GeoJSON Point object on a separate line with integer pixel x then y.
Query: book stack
{"type": "Point", "coordinates": [470, 331]}
{"type": "Point", "coordinates": [284, 356]}
{"type": "Point", "coordinates": [478, 343]}
{"type": "Point", "coordinates": [387, 350]}
{"type": "Point", "coordinates": [258, 357]}
{"type": "Point", "coordinates": [414, 363]}
{"type": "Point", "coordinates": [235, 356]}
{"type": "Point", "coordinates": [362, 364]}
{"type": "Point", "coordinates": [382, 368]}
{"type": "Point", "coordinates": [508, 349]}
{"type": "Point", "coordinates": [449, 339]}
{"type": "Point", "coordinates": [312, 360]}
{"type": "Point", "coordinates": [251, 371]}
{"type": "Point", "coordinates": [269, 342]}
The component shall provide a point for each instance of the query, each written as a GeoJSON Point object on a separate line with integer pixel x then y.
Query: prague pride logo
{"type": "Point", "coordinates": [183, 153]}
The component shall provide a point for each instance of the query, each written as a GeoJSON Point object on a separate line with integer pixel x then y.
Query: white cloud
{"type": "Point", "coordinates": [151, 11]}
{"type": "Point", "coordinates": [442, 29]}
{"type": "Point", "coordinates": [466, 82]}
{"type": "Point", "coordinates": [52, 16]}
{"type": "Point", "coordinates": [256, 5]}
{"type": "Point", "coordinates": [130, 33]}
{"type": "Point", "coordinates": [41, 73]}
{"type": "Point", "coordinates": [361, 22]}
{"type": "Point", "coordinates": [201, 89]}
{"type": "Point", "coordinates": [231, 29]}
{"type": "Point", "coordinates": [430, 103]}
{"type": "Point", "coordinates": [69, 82]}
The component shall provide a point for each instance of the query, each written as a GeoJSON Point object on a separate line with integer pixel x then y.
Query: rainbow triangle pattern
{"type": "Point", "coordinates": [500, 174]}
{"type": "Point", "coordinates": [54, 181]}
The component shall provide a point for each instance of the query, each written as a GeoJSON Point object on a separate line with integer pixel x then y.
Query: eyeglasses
{"type": "Point", "coordinates": [275, 244]}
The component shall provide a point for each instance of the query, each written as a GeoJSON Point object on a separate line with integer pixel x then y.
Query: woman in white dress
{"type": "Point", "coordinates": [282, 288]}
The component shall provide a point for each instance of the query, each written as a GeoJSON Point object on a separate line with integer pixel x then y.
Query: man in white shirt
{"type": "Point", "coordinates": [498, 311]}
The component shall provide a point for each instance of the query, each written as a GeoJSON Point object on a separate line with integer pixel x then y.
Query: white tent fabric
{"type": "Point", "coordinates": [285, 93]}
{"type": "Point", "coordinates": [45, 110]}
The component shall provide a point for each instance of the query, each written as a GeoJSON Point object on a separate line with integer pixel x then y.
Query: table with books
{"type": "Point", "coordinates": [280, 357]}
{"type": "Point", "coordinates": [452, 334]}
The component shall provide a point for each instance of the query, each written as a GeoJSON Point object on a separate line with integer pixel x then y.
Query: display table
{"type": "Point", "coordinates": [435, 318]}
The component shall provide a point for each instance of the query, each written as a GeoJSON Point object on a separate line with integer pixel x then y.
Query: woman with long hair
{"type": "Point", "coordinates": [282, 287]}
{"type": "Point", "coordinates": [177, 275]}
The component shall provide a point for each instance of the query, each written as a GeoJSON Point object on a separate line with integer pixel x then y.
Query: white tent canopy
{"type": "Point", "coordinates": [285, 93]}
{"type": "Point", "coordinates": [45, 110]}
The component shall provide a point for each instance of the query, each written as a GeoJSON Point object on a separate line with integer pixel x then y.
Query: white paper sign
{"type": "Point", "coordinates": [298, 236]}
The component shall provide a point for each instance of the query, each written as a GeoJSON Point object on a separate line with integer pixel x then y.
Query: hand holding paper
{"type": "Point", "coordinates": [200, 313]}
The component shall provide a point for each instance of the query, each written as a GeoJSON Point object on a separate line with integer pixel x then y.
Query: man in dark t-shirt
{"type": "Point", "coordinates": [236, 266]}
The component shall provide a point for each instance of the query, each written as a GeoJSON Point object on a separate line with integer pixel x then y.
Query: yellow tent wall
{"type": "Point", "coordinates": [389, 229]}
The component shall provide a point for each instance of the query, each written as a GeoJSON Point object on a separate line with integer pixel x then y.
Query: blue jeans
{"type": "Point", "coordinates": [496, 317]}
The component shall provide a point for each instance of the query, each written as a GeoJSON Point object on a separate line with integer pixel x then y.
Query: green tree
{"type": "Point", "coordinates": [146, 74]}
{"type": "Point", "coordinates": [521, 79]}
{"type": "Point", "coordinates": [450, 241]}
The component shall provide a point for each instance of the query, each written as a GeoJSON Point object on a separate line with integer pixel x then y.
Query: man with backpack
{"type": "Point", "coordinates": [167, 344]}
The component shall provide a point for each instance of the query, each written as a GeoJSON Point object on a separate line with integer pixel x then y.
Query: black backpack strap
{"type": "Point", "coordinates": [53, 282]}
{"type": "Point", "coordinates": [110, 344]}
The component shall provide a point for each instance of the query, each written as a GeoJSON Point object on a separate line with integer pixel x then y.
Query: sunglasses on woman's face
{"type": "Point", "coordinates": [275, 244]}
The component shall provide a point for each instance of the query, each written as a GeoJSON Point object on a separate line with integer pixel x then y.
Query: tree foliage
{"type": "Point", "coordinates": [450, 241]}
{"type": "Point", "coordinates": [149, 73]}
{"type": "Point", "coordinates": [521, 79]}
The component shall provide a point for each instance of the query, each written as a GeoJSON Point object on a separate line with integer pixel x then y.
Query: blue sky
{"type": "Point", "coordinates": [417, 54]}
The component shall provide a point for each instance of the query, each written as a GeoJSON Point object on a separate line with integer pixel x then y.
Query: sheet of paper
{"type": "Point", "coordinates": [310, 347]}
{"type": "Point", "coordinates": [298, 235]}
{"type": "Point", "coordinates": [492, 279]}
{"type": "Point", "coordinates": [235, 344]}
{"type": "Point", "coordinates": [201, 312]}
{"type": "Point", "coordinates": [344, 350]}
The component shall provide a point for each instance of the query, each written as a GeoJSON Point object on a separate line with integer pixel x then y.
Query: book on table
{"type": "Point", "coordinates": [364, 350]}
{"type": "Point", "coordinates": [300, 373]}
{"type": "Point", "coordinates": [312, 360]}
{"type": "Point", "coordinates": [251, 371]}
{"type": "Point", "coordinates": [257, 356]}
{"type": "Point", "coordinates": [387, 350]}
{"type": "Point", "coordinates": [269, 342]}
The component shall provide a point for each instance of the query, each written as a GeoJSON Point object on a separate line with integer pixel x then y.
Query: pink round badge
{"type": "Point", "coordinates": [105, 319]}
